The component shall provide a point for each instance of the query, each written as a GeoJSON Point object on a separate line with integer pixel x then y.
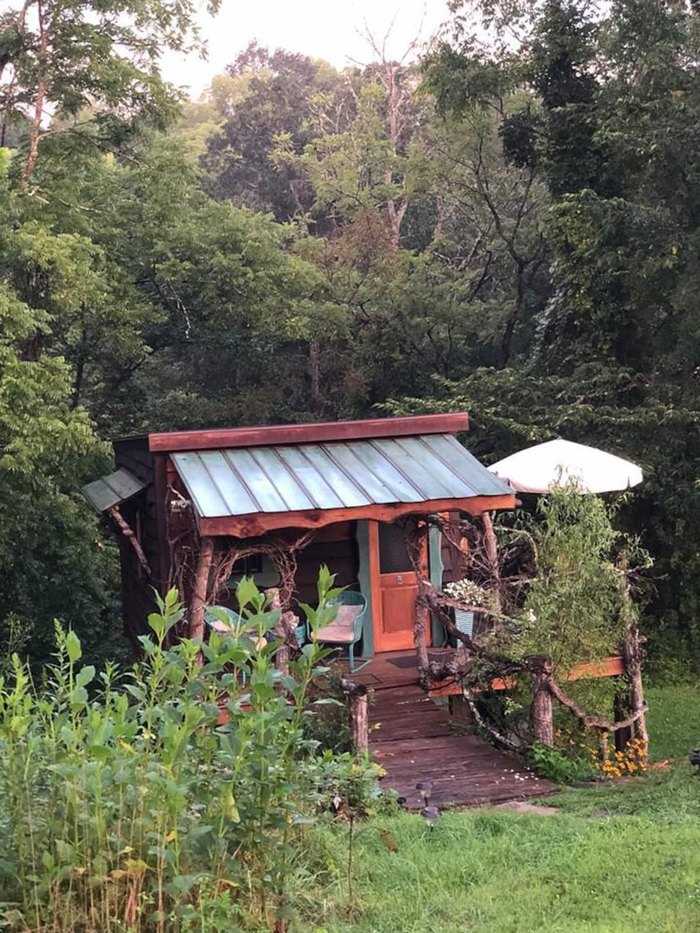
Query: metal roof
{"type": "Point", "coordinates": [333, 475]}
{"type": "Point", "coordinates": [110, 490]}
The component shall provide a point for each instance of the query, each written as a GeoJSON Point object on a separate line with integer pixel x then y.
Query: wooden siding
{"type": "Point", "coordinates": [337, 548]}
{"type": "Point", "coordinates": [141, 514]}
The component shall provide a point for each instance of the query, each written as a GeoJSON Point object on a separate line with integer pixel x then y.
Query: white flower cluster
{"type": "Point", "coordinates": [468, 592]}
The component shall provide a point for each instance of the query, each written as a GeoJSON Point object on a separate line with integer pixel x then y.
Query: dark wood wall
{"type": "Point", "coordinates": [336, 546]}
{"type": "Point", "coordinates": [140, 512]}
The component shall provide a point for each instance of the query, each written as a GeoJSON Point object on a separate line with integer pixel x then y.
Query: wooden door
{"type": "Point", "coordinates": [395, 588]}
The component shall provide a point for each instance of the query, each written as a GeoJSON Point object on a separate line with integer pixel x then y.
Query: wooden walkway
{"type": "Point", "coordinates": [414, 742]}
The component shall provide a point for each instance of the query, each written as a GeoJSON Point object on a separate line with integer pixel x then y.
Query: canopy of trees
{"type": "Point", "coordinates": [507, 226]}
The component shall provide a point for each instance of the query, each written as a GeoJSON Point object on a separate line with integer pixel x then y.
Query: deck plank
{"type": "Point", "coordinates": [413, 741]}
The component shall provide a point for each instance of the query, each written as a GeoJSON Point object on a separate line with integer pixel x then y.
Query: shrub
{"type": "Point", "coordinates": [172, 796]}
{"type": "Point", "coordinates": [555, 765]}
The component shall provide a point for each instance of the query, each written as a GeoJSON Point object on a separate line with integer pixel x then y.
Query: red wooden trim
{"type": "Point", "coordinates": [309, 433]}
{"type": "Point", "coordinates": [250, 526]}
{"type": "Point", "coordinates": [607, 667]}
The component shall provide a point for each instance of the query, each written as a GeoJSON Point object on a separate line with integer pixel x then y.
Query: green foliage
{"type": "Point", "coordinates": [555, 765]}
{"type": "Point", "coordinates": [572, 611]}
{"type": "Point", "coordinates": [330, 726]}
{"type": "Point", "coordinates": [172, 795]}
{"type": "Point", "coordinates": [92, 63]}
{"type": "Point", "coordinates": [51, 560]}
{"type": "Point", "coordinates": [517, 236]}
{"type": "Point", "coordinates": [281, 101]}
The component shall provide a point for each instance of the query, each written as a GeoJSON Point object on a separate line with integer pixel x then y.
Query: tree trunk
{"type": "Point", "coordinates": [632, 652]}
{"type": "Point", "coordinates": [359, 721]}
{"type": "Point", "coordinates": [541, 718]}
{"type": "Point", "coordinates": [198, 602]}
{"type": "Point", "coordinates": [491, 552]}
{"type": "Point", "coordinates": [419, 629]}
{"type": "Point", "coordinates": [40, 100]}
{"type": "Point", "coordinates": [129, 534]}
{"type": "Point", "coordinates": [315, 375]}
{"type": "Point", "coordinates": [285, 630]}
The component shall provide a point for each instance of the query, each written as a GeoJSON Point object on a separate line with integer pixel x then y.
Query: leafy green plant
{"type": "Point", "coordinates": [553, 764]}
{"type": "Point", "coordinates": [572, 610]}
{"type": "Point", "coordinates": [165, 797]}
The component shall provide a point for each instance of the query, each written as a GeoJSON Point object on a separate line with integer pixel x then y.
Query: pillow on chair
{"type": "Point", "coordinates": [341, 630]}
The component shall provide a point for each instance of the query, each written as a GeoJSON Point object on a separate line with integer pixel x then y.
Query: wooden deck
{"type": "Point", "coordinates": [413, 740]}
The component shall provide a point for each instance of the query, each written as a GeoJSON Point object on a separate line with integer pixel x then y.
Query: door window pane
{"type": "Point", "coordinates": [393, 554]}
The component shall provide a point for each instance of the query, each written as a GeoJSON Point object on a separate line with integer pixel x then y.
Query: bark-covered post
{"type": "Point", "coordinates": [541, 715]}
{"type": "Point", "coordinates": [359, 714]}
{"type": "Point", "coordinates": [130, 536]}
{"type": "Point", "coordinates": [416, 534]}
{"type": "Point", "coordinates": [359, 721]}
{"type": "Point", "coordinates": [633, 656]}
{"type": "Point", "coordinates": [198, 602]}
{"type": "Point", "coordinates": [491, 553]}
{"type": "Point", "coordinates": [285, 630]}
{"type": "Point", "coordinates": [459, 711]}
{"type": "Point", "coordinates": [419, 630]}
{"type": "Point", "coordinates": [621, 710]}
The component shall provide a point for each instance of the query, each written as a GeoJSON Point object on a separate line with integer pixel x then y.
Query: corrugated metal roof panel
{"type": "Point", "coordinates": [332, 475]}
{"type": "Point", "coordinates": [315, 484]}
{"type": "Point", "coordinates": [105, 493]}
{"type": "Point", "coordinates": [466, 465]}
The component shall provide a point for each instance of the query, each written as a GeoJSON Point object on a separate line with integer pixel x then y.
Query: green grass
{"type": "Point", "coordinates": [673, 720]}
{"type": "Point", "coordinates": [618, 858]}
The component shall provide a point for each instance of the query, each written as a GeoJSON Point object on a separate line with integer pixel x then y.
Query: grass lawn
{"type": "Point", "coordinates": [617, 858]}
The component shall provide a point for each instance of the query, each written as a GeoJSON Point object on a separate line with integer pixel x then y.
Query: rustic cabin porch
{"type": "Point", "coordinates": [414, 739]}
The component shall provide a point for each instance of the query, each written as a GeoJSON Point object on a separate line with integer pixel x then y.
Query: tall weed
{"type": "Point", "coordinates": [174, 796]}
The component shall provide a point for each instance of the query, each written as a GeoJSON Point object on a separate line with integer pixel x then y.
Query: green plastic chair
{"type": "Point", "coordinates": [346, 628]}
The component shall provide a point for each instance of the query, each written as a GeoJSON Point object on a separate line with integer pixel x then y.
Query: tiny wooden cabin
{"type": "Point", "coordinates": [198, 509]}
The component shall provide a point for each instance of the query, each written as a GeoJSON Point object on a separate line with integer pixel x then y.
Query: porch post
{"type": "Point", "coordinates": [198, 603]}
{"type": "Point", "coordinates": [541, 714]}
{"type": "Point", "coordinates": [491, 553]}
{"type": "Point", "coordinates": [364, 578]}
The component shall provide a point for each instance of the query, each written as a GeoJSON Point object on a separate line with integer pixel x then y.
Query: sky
{"type": "Point", "coordinates": [330, 29]}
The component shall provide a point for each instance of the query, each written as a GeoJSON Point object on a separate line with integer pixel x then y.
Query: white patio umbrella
{"type": "Point", "coordinates": [556, 463]}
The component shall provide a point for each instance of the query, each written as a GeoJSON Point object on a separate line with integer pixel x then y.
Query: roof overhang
{"type": "Point", "coordinates": [105, 493]}
{"type": "Point", "coordinates": [245, 491]}
{"type": "Point", "coordinates": [255, 525]}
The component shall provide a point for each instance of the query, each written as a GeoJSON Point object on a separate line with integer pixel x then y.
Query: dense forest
{"type": "Point", "coordinates": [508, 224]}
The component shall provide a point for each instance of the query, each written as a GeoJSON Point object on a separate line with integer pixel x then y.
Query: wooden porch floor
{"type": "Point", "coordinates": [413, 740]}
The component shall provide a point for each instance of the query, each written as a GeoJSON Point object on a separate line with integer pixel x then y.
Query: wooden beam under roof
{"type": "Point", "coordinates": [259, 523]}
{"type": "Point", "coordinates": [451, 423]}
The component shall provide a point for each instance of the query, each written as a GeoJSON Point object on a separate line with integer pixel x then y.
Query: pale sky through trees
{"type": "Point", "coordinates": [329, 29]}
